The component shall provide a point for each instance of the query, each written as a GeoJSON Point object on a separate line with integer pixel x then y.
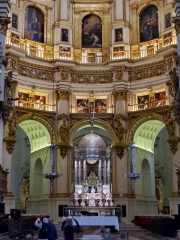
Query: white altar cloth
{"type": "Point", "coordinates": [98, 221]}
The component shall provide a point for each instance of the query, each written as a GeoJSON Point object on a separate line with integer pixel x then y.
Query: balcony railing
{"type": "Point", "coordinates": [36, 106]}
{"type": "Point", "coordinates": [148, 105]}
{"type": "Point", "coordinates": [47, 52]}
{"type": "Point", "coordinates": [90, 109]}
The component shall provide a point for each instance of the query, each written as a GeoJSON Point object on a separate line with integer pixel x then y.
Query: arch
{"type": "Point", "coordinates": [146, 183]}
{"type": "Point", "coordinates": [149, 28]}
{"type": "Point", "coordinates": [38, 129]}
{"type": "Point", "coordinates": [34, 24]}
{"type": "Point", "coordinates": [91, 31]}
{"type": "Point", "coordinates": [99, 122]}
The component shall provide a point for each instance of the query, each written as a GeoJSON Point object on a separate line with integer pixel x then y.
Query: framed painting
{"type": "Point", "coordinates": [118, 35]}
{"type": "Point", "coordinates": [118, 51]}
{"type": "Point", "coordinates": [82, 105]}
{"type": "Point", "coordinates": [64, 35]}
{"type": "Point", "coordinates": [168, 20]}
{"type": "Point", "coordinates": [14, 21]}
{"type": "Point", "coordinates": [34, 25]}
{"type": "Point", "coordinates": [149, 24]}
{"type": "Point", "coordinates": [160, 99]}
{"type": "Point", "coordinates": [143, 102]}
{"type": "Point", "coordinates": [91, 32]}
{"type": "Point", "coordinates": [65, 51]}
{"type": "Point", "coordinates": [23, 99]}
{"type": "Point", "coordinates": [100, 105]}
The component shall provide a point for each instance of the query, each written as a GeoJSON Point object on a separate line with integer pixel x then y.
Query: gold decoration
{"type": "Point", "coordinates": [10, 141]}
{"type": "Point", "coordinates": [12, 125]}
{"type": "Point", "coordinates": [176, 21]}
{"type": "Point", "coordinates": [171, 128]}
{"type": "Point", "coordinates": [119, 75]}
{"type": "Point", "coordinates": [10, 87]}
{"type": "Point", "coordinates": [120, 117]}
{"type": "Point", "coordinates": [173, 84]}
{"type": "Point", "coordinates": [121, 95]}
{"type": "Point", "coordinates": [92, 78]}
{"type": "Point", "coordinates": [4, 21]}
{"type": "Point", "coordinates": [63, 148]}
{"type": "Point", "coordinates": [120, 132]}
{"type": "Point", "coordinates": [64, 76]}
{"type": "Point", "coordinates": [119, 150]}
{"type": "Point", "coordinates": [63, 116]}
{"type": "Point", "coordinates": [173, 142]}
{"type": "Point", "coordinates": [62, 95]}
{"type": "Point", "coordinates": [25, 194]}
{"type": "Point", "coordinates": [64, 132]}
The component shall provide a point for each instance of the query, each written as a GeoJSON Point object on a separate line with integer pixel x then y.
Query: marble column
{"type": "Point", "coordinates": [84, 171]}
{"type": "Point", "coordinates": [100, 172]}
{"type": "Point", "coordinates": [75, 171]}
{"type": "Point", "coordinates": [79, 173]}
{"type": "Point", "coordinates": [105, 172]}
{"type": "Point", "coordinates": [108, 172]}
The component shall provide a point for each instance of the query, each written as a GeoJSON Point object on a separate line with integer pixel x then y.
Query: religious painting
{"type": "Point", "coordinates": [143, 102]}
{"type": "Point", "coordinates": [39, 102]}
{"type": "Point", "coordinates": [118, 35]}
{"type": "Point", "coordinates": [167, 38]}
{"type": "Point", "coordinates": [14, 21]}
{"type": "Point", "coordinates": [168, 20]}
{"type": "Point", "coordinates": [118, 52]}
{"type": "Point", "coordinates": [34, 25]}
{"type": "Point", "coordinates": [23, 99]}
{"type": "Point", "coordinates": [15, 39]}
{"type": "Point", "coordinates": [160, 99]}
{"type": "Point", "coordinates": [82, 105]}
{"type": "Point", "coordinates": [64, 35]}
{"type": "Point", "coordinates": [65, 52]}
{"type": "Point", "coordinates": [100, 105]}
{"type": "Point", "coordinates": [91, 32]}
{"type": "Point", "coordinates": [149, 24]}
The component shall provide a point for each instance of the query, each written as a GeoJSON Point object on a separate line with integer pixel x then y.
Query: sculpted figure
{"type": "Point", "coordinates": [120, 130]}
{"type": "Point", "coordinates": [173, 85]}
{"type": "Point", "coordinates": [64, 132]}
{"type": "Point", "coordinates": [12, 125]}
{"type": "Point", "coordinates": [171, 128]}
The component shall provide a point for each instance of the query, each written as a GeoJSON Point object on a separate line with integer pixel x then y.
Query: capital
{"type": "Point", "coordinates": [4, 21]}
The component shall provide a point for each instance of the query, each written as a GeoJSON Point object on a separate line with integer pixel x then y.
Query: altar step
{"type": "Point", "coordinates": [130, 227]}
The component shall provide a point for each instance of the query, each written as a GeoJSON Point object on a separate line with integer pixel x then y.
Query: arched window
{"type": "Point", "coordinates": [149, 24]}
{"type": "Point", "coordinates": [34, 25]}
{"type": "Point", "coordinates": [91, 32]}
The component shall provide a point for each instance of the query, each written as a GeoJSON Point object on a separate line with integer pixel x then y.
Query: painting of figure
{"type": "Point", "coordinates": [118, 35]}
{"type": "Point", "coordinates": [168, 20]}
{"type": "Point", "coordinates": [100, 105]}
{"type": "Point", "coordinates": [143, 102]}
{"type": "Point", "coordinates": [23, 99]}
{"type": "Point", "coordinates": [34, 25]}
{"type": "Point", "coordinates": [149, 24]}
{"type": "Point", "coordinates": [82, 105]}
{"type": "Point", "coordinates": [118, 51]}
{"type": "Point", "coordinates": [160, 99]}
{"type": "Point", "coordinates": [64, 35]}
{"type": "Point", "coordinates": [39, 102]}
{"type": "Point", "coordinates": [91, 32]}
{"type": "Point", "coordinates": [15, 39]}
{"type": "Point", "coordinates": [14, 21]}
{"type": "Point", "coordinates": [65, 51]}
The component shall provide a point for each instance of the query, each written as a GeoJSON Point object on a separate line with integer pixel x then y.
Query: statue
{"type": "Point", "coordinates": [9, 87]}
{"type": "Point", "coordinates": [173, 84]}
{"type": "Point", "coordinates": [120, 130]}
{"type": "Point", "coordinates": [171, 128]}
{"type": "Point", "coordinates": [12, 125]}
{"type": "Point", "coordinates": [64, 132]}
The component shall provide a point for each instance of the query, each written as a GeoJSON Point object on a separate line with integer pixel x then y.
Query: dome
{"type": "Point", "coordinates": [92, 146]}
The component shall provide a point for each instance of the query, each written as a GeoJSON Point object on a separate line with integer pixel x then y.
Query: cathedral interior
{"type": "Point", "coordinates": [89, 92]}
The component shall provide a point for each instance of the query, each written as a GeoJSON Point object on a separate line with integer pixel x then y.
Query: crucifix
{"type": "Point", "coordinates": [92, 119]}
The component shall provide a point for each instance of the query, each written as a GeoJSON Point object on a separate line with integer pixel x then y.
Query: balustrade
{"type": "Point", "coordinates": [36, 106]}
{"type": "Point", "coordinates": [90, 109]}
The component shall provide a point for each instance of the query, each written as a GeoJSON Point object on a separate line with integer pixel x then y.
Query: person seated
{"type": "Point", "coordinates": [69, 229]}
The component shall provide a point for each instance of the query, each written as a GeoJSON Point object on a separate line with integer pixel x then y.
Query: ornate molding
{"type": "Point", "coordinates": [10, 87]}
{"type": "Point", "coordinates": [64, 76]}
{"type": "Point", "coordinates": [12, 124]}
{"type": "Point", "coordinates": [176, 21]}
{"type": "Point", "coordinates": [63, 116]}
{"type": "Point", "coordinates": [119, 148]}
{"type": "Point", "coordinates": [64, 132]}
{"type": "Point", "coordinates": [63, 149]}
{"type": "Point", "coordinates": [90, 78]}
{"type": "Point", "coordinates": [119, 75]}
{"type": "Point", "coordinates": [120, 132]}
{"type": "Point", "coordinates": [120, 117]}
{"type": "Point", "coordinates": [121, 95]}
{"type": "Point", "coordinates": [4, 21]}
{"type": "Point", "coordinates": [173, 142]}
{"type": "Point", "coordinates": [10, 141]}
{"type": "Point", "coordinates": [63, 95]}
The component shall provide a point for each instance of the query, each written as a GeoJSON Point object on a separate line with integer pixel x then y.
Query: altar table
{"type": "Point", "coordinates": [98, 221]}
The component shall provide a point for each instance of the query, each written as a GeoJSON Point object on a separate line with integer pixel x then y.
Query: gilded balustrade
{"type": "Point", "coordinates": [36, 106]}
{"type": "Point", "coordinates": [90, 109]}
{"type": "Point", "coordinates": [40, 50]}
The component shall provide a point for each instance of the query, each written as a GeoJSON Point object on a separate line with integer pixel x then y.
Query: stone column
{"type": "Point", "coordinates": [99, 172]}
{"type": "Point", "coordinates": [108, 172]}
{"type": "Point", "coordinates": [75, 171]}
{"type": "Point", "coordinates": [105, 172]}
{"type": "Point", "coordinates": [84, 171]}
{"type": "Point", "coordinates": [79, 171]}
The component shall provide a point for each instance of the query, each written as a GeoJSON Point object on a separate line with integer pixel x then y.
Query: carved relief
{"type": "Point", "coordinates": [119, 75]}
{"type": "Point", "coordinates": [120, 132]}
{"type": "Point", "coordinates": [10, 87]}
{"type": "Point", "coordinates": [64, 76]}
{"type": "Point", "coordinates": [64, 132]}
{"type": "Point", "coordinates": [171, 128]}
{"type": "Point", "coordinates": [10, 141]}
{"type": "Point", "coordinates": [121, 95]}
{"type": "Point", "coordinates": [173, 84]}
{"type": "Point", "coordinates": [92, 78]}
{"type": "Point", "coordinates": [12, 125]}
{"type": "Point", "coordinates": [62, 95]}
{"type": "Point", "coordinates": [173, 142]}
{"type": "Point", "coordinates": [176, 21]}
{"type": "Point", "coordinates": [4, 21]}
{"type": "Point", "coordinates": [63, 149]}
{"type": "Point", "coordinates": [119, 150]}
{"type": "Point", "coordinates": [63, 116]}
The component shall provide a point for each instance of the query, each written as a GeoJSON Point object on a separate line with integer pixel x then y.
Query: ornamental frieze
{"type": "Point", "coordinates": [148, 71]}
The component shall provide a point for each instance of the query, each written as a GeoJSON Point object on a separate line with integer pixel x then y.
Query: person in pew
{"type": "Point", "coordinates": [69, 229]}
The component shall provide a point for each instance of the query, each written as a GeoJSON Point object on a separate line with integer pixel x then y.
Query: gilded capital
{"type": "Point", "coordinates": [121, 95]}
{"type": "Point", "coordinates": [63, 95]}
{"type": "Point", "coordinates": [176, 21]}
{"type": "Point", "coordinates": [4, 21]}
